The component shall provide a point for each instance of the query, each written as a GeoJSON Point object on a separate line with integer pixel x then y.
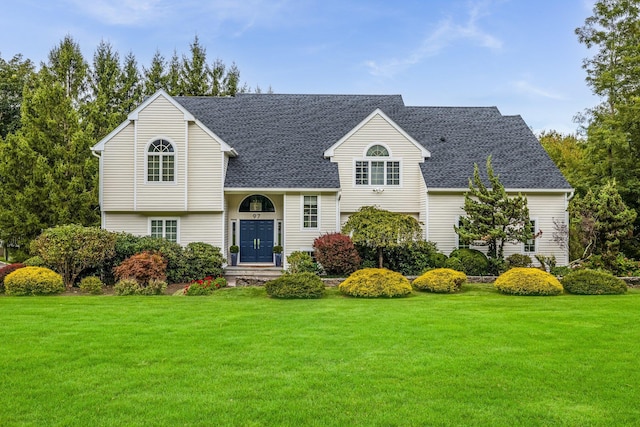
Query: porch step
{"type": "Point", "coordinates": [257, 272]}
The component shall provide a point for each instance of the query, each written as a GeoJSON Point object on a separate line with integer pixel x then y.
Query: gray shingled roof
{"type": "Point", "coordinates": [280, 139]}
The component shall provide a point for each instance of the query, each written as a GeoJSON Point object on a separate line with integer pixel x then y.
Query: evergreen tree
{"type": "Point", "coordinates": [173, 76]}
{"type": "Point", "coordinates": [492, 218]}
{"type": "Point", "coordinates": [155, 76]}
{"type": "Point", "coordinates": [103, 111]}
{"type": "Point", "coordinates": [130, 94]}
{"type": "Point", "coordinates": [67, 67]}
{"type": "Point", "coordinates": [194, 76]}
{"type": "Point", "coordinates": [13, 76]}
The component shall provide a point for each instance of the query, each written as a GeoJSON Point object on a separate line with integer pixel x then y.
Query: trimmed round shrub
{"type": "Point", "coordinates": [528, 281]}
{"type": "Point", "coordinates": [301, 262]}
{"type": "Point", "coordinates": [126, 287]}
{"type": "Point", "coordinates": [336, 253]}
{"type": "Point", "coordinates": [441, 280]}
{"type": "Point", "coordinates": [91, 285]}
{"type": "Point", "coordinates": [518, 260]}
{"type": "Point", "coordinates": [474, 262]}
{"type": "Point", "coordinates": [438, 260]}
{"type": "Point", "coordinates": [142, 267]}
{"type": "Point", "coordinates": [154, 287]}
{"type": "Point", "coordinates": [376, 282]}
{"type": "Point", "coordinates": [454, 264]}
{"type": "Point", "coordinates": [296, 285]}
{"type": "Point", "coordinates": [203, 260]}
{"type": "Point", "coordinates": [34, 261]}
{"type": "Point", "coordinates": [592, 282]}
{"type": "Point", "coordinates": [33, 281]}
{"type": "Point", "coordinates": [9, 268]}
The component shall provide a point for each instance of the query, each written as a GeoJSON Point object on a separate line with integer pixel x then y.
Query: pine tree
{"type": "Point", "coordinates": [130, 94]}
{"type": "Point", "coordinates": [194, 76]}
{"type": "Point", "coordinates": [492, 218]}
{"type": "Point", "coordinates": [13, 76]}
{"type": "Point", "coordinates": [103, 111]}
{"type": "Point", "coordinates": [173, 76]}
{"type": "Point", "coordinates": [155, 77]}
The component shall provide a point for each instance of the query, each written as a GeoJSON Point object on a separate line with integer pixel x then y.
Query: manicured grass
{"type": "Point", "coordinates": [239, 358]}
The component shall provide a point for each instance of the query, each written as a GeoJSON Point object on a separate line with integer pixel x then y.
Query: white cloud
{"type": "Point", "coordinates": [527, 88]}
{"type": "Point", "coordinates": [446, 33]}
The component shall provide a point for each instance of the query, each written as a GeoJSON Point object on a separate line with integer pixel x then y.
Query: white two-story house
{"type": "Point", "coordinates": [258, 170]}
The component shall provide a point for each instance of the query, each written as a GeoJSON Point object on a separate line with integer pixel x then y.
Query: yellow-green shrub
{"type": "Point", "coordinates": [375, 282]}
{"type": "Point", "coordinates": [91, 285]}
{"type": "Point", "coordinates": [592, 282]}
{"type": "Point", "coordinates": [33, 281]}
{"type": "Point", "coordinates": [528, 281]}
{"type": "Point", "coordinates": [441, 280]}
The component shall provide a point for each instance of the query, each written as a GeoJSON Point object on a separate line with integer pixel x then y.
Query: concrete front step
{"type": "Point", "coordinates": [253, 271]}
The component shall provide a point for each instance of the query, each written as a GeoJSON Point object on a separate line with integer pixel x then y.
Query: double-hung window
{"type": "Point", "coordinates": [310, 212]}
{"type": "Point", "coordinates": [374, 169]}
{"type": "Point", "coordinates": [161, 162]}
{"type": "Point", "coordinates": [164, 228]}
{"type": "Point", "coordinates": [530, 245]}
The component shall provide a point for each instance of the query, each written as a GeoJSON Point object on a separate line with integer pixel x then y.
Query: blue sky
{"type": "Point", "coordinates": [519, 55]}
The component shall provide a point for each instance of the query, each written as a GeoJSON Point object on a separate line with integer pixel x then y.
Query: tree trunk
{"type": "Point", "coordinates": [380, 258]}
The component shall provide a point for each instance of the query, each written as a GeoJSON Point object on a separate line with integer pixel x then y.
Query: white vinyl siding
{"type": "Point", "coordinates": [160, 120]}
{"type": "Point", "coordinates": [296, 236]}
{"type": "Point", "coordinates": [446, 208]}
{"type": "Point", "coordinates": [118, 171]}
{"type": "Point", "coordinates": [206, 172]}
{"type": "Point", "coordinates": [398, 176]}
{"type": "Point", "coordinates": [206, 228]}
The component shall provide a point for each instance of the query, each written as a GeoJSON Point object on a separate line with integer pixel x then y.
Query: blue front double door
{"type": "Point", "coordinates": [256, 240]}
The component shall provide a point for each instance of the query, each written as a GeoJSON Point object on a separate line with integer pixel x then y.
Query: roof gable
{"type": "Point", "coordinates": [377, 112]}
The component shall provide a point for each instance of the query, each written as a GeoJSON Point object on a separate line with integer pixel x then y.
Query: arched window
{"type": "Point", "coordinates": [370, 171]}
{"type": "Point", "coordinates": [257, 203]}
{"type": "Point", "coordinates": [161, 161]}
{"type": "Point", "coordinates": [377, 151]}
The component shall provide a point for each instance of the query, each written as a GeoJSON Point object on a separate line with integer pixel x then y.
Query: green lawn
{"type": "Point", "coordinates": [239, 358]}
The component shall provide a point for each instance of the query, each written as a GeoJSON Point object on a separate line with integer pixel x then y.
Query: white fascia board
{"type": "Point", "coordinates": [508, 190]}
{"type": "Point", "coordinates": [223, 145]}
{"type": "Point", "coordinates": [330, 151]}
{"type": "Point", "coordinates": [261, 190]}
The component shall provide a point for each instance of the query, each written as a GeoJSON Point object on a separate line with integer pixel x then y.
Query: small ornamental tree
{"type": "Point", "coordinates": [143, 268]}
{"type": "Point", "coordinates": [379, 229]}
{"type": "Point", "coordinates": [493, 218]}
{"type": "Point", "coordinates": [336, 253]}
{"type": "Point", "coordinates": [70, 249]}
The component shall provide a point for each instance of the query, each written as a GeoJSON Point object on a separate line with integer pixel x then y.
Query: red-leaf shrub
{"type": "Point", "coordinates": [336, 253]}
{"type": "Point", "coordinates": [4, 271]}
{"type": "Point", "coordinates": [142, 267]}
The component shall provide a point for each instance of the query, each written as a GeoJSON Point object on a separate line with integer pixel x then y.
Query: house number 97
{"type": "Point", "coordinates": [256, 216]}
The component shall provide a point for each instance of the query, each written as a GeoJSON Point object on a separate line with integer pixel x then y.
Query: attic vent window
{"type": "Point", "coordinates": [377, 151]}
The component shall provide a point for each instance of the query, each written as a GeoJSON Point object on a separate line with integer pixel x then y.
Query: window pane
{"type": "Point", "coordinates": [167, 168]}
{"type": "Point", "coordinates": [171, 230]}
{"type": "Point", "coordinates": [153, 168]}
{"type": "Point", "coordinates": [156, 228]}
{"type": "Point", "coordinates": [393, 173]}
{"type": "Point", "coordinates": [310, 213]}
{"type": "Point", "coordinates": [362, 173]}
{"type": "Point", "coordinates": [530, 245]}
{"type": "Point", "coordinates": [377, 173]}
{"type": "Point", "coordinates": [377, 151]}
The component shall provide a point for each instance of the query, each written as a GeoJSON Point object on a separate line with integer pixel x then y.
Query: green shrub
{"type": "Point", "coordinates": [591, 282]}
{"type": "Point", "coordinates": [375, 282]}
{"type": "Point", "coordinates": [126, 287]}
{"type": "Point", "coordinates": [518, 260]}
{"type": "Point", "coordinates": [33, 281]}
{"type": "Point", "coordinates": [154, 287]}
{"type": "Point", "coordinates": [91, 285]}
{"type": "Point", "coordinates": [142, 267]}
{"type": "Point", "coordinates": [336, 253]}
{"type": "Point", "coordinates": [4, 271]}
{"type": "Point", "coordinates": [441, 280]}
{"type": "Point", "coordinates": [454, 264]}
{"type": "Point", "coordinates": [438, 260]}
{"type": "Point", "coordinates": [410, 258]}
{"type": "Point", "coordinates": [296, 285]}
{"type": "Point", "coordinates": [301, 262]}
{"type": "Point", "coordinates": [35, 261]}
{"type": "Point", "coordinates": [202, 260]}
{"type": "Point", "coordinates": [528, 281]}
{"type": "Point", "coordinates": [204, 286]}
{"type": "Point", "coordinates": [474, 262]}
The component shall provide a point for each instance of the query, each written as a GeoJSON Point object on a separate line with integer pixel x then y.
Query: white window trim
{"type": "Point", "coordinates": [164, 225]}
{"type": "Point", "coordinates": [458, 236]}
{"type": "Point", "coordinates": [175, 162]}
{"type": "Point", "coordinates": [302, 227]}
{"type": "Point", "coordinates": [385, 160]}
{"type": "Point", "coordinates": [535, 241]}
